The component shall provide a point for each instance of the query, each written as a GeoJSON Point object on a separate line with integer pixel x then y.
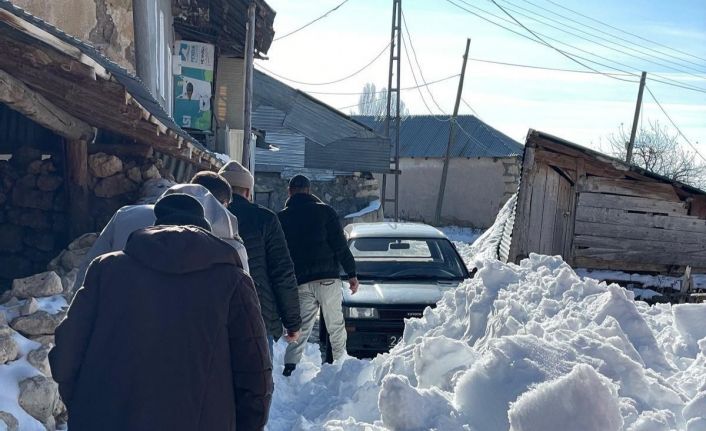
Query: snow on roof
{"type": "Point", "coordinates": [392, 230]}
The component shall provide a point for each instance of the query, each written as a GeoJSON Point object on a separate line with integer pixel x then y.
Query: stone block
{"type": "Point", "coordinates": [150, 172]}
{"type": "Point", "coordinates": [84, 241]}
{"type": "Point", "coordinates": [11, 238]}
{"type": "Point", "coordinates": [39, 359]}
{"type": "Point", "coordinates": [102, 165]}
{"type": "Point", "coordinates": [37, 286]}
{"type": "Point", "coordinates": [32, 199]}
{"type": "Point", "coordinates": [38, 323]}
{"type": "Point", "coordinates": [49, 183]}
{"type": "Point", "coordinates": [11, 422]}
{"type": "Point", "coordinates": [9, 350]}
{"type": "Point", "coordinates": [34, 218]}
{"type": "Point", "coordinates": [135, 174]}
{"type": "Point", "coordinates": [35, 168]}
{"type": "Point", "coordinates": [40, 240]}
{"type": "Point", "coordinates": [13, 266]}
{"type": "Point", "coordinates": [39, 396]}
{"type": "Point", "coordinates": [30, 306]}
{"type": "Point", "coordinates": [71, 259]}
{"type": "Point", "coordinates": [26, 182]}
{"type": "Point", "coordinates": [48, 167]}
{"type": "Point", "coordinates": [23, 156]}
{"type": "Point", "coordinates": [114, 186]}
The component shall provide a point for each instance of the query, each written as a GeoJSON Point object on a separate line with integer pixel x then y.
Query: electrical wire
{"type": "Point", "coordinates": [693, 147]}
{"type": "Point", "coordinates": [624, 31]}
{"type": "Point", "coordinates": [416, 60]}
{"type": "Point", "coordinates": [414, 77]}
{"type": "Point", "coordinates": [311, 22]}
{"type": "Point", "coordinates": [571, 55]}
{"type": "Point", "coordinates": [563, 29]}
{"type": "Point", "coordinates": [613, 35]}
{"type": "Point", "coordinates": [358, 93]}
{"type": "Point", "coordinates": [335, 81]}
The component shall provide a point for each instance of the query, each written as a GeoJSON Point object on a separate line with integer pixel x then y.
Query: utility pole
{"type": "Point", "coordinates": [452, 137]}
{"type": "Point", "coordinates": [247, 90]}
{"type": "Point", "coordinates": [628, 156]}
{"type": "Point", "coordinates": [395, 67]}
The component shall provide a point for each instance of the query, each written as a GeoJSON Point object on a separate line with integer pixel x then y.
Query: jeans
{"type": "Point", "coordinates": [328, 295]}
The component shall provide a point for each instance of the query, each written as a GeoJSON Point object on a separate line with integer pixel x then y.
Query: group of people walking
{"type": "Point", "coordinates": [179, 305]}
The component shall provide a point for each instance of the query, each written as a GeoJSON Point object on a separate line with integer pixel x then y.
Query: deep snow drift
{"type": "Point", "coordinates": [528, 347]}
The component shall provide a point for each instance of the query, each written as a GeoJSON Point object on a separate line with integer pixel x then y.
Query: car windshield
{"type": "Point", "coordinates": [407, 258]}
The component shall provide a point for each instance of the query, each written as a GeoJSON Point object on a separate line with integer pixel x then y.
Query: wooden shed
{"type": "Point", "coordinates": [599, 212]}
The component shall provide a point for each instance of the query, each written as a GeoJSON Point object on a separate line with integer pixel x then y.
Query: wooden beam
{"type": "Point", "coordinates": [16, 95]}
{"type": "Point", "coordinates": [631, 203]}
{"type": "Point", "coordinates": [518, 246]}
{"type": "Point", "coordinates": [654, 190]}
{"type": "Point", "coordinates": [621, 217]}
{"type": "Point", "coordinates": [76, 170]}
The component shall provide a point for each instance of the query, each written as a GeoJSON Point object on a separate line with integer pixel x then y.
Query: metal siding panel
{"type": "Point", "coordinates": [358, 155]}
{"type": "Point", "coordinates": [290, 154]}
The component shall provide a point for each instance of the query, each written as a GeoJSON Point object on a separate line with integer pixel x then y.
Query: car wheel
{"type": "Point", "coordinates": [324, 341]}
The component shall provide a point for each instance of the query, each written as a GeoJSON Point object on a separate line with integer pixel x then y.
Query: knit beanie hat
{"type": "Point", "coordinates": [237, 175]}
{"type": "Point", "coordinates": [299, 182]}
{"type": "Point", "coordinates": [180, 209]}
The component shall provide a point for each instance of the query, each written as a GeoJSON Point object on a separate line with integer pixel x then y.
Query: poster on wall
{"type": "Point", "coordinates": [193, 82]}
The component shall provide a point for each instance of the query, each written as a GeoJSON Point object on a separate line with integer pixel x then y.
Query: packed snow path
{"type": "Point", "coordinates": [528, 347]}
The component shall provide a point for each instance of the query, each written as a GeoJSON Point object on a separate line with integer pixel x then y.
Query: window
{"type": "Point", "coordinates": [407, 259]}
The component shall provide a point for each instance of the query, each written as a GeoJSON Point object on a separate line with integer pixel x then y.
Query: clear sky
{"type": "Point", "coordinates": [583, 108]}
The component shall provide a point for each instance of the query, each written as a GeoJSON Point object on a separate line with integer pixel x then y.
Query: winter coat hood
{"type": "Point", "coordinates": [223, 224]}
{"type": "Point", "coordinates": [179, 249]}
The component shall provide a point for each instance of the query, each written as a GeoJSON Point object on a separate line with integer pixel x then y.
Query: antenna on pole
{"type": "Point", "coordinates": [392, 118]}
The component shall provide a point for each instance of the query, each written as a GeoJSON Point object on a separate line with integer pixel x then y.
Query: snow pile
{"type": "Point", "coordinates": [522, 347]}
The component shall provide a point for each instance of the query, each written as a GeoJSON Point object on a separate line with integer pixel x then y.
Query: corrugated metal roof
{"type": "Point", "coordinates": [333, 140]}
{"type": "Point", "coordinates": [133, 85]}
{"type": "Point", "coordinates": [428, 136]}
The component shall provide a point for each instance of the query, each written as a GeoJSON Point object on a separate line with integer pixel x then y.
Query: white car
{"type": "Point", "coordinates": [403, 268]}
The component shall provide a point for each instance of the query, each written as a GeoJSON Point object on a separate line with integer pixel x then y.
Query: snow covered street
{"type": "Point", "coordinates": [528, 347]}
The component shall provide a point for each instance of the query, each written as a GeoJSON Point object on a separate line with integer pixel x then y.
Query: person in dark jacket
{"type": "Point", "coordinates": [165, 335]}
{"type": "Point", "coordinates": [270, 264]}
{"type": "Point", "coordinates": [319, 249]}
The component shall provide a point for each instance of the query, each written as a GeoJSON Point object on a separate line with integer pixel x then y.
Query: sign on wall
{"type": "Point", "coordinates": [193, 83]}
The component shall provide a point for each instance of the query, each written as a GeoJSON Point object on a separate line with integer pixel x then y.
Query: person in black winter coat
{"type": "Point", "coordinates": [319, 249]}
{"type": "Point", "coordinates": [165, 335]}
{"type": "Point", "coordinates": [270, 264]}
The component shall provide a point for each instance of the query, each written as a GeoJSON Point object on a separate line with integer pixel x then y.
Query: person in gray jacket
{"type": "Point", "coordinates": [130, 218]}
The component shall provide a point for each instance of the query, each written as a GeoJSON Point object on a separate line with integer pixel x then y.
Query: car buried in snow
{"type": "Point", "coordinates": [402, 268]}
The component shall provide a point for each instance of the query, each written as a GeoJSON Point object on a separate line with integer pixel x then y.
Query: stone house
{"type": "Point", "coordinates": [301, 134]}
{"type": "Point", "coordinates": [484, 169]}
{"type": "Point", "coordinates": [79, 137]}
{"type": "Point", "coordinates": [187, 53]}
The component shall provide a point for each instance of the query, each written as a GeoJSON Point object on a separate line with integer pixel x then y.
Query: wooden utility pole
{"type": "Point", "coordinates": [247, 91]}
{"type": "Point", "coordinates": [633, 132]}
{"type": "Point", "coordinates": [452, 137]}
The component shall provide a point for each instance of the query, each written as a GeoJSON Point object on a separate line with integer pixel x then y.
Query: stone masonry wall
{"type": "Point", "coordinates": [346, 194]}
{"type": "Point", "coordinates": [33, 203]}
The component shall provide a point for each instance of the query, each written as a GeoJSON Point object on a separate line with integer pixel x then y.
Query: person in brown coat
{"type": "Point", "coordinates": [165, 335]}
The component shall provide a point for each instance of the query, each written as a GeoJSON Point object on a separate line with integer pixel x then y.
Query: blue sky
{"type": "Point", "coordinates": [583, 108]}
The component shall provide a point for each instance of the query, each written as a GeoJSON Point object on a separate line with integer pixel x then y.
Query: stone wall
{"type": "Point", "coordinates": [106, 24]}
{"type": "Point", "coordinates": [34, 223]}
{"type": "Point", "coordinates": [32, 213]}
{"type": "Point", "coordinates": [347, 194]}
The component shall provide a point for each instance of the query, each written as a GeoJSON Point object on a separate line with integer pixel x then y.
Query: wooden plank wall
{"type": "Point", "coordinates": [636, 225]}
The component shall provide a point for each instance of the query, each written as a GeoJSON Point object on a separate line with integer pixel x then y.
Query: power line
{"type": "Point", "coordinates": [674, 124]}
{"type": "Point", "coordinates": [550, 45]}
{"type": "Point", "coordinates": [563, 29]}
{"type": "Point", "coordinates": [330, 82]}
{"type": "Point", "coordinates": [414, 77]}
{"type": "Point", "coordinates": [571, 55]}
{"type": "Point", "coordinates": [416, 60]}
{"type": "Point", "coordinates": [537, 41]}
{"type": "Point", "coordinates": [611, 34]}
{"type": "Point", "coordinates": [358, 93]}
{"type": "Point", "coordinates": [624, 31]}
{"type": "Point", "coordinates": [311, 22]}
